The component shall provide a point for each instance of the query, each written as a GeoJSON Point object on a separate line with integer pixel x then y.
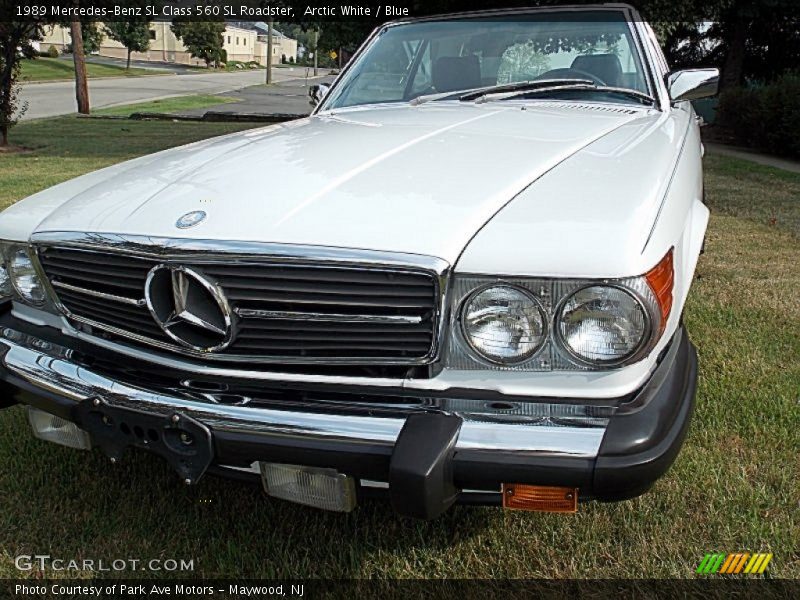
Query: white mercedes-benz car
{"type": "Point", "coordinates": [461, 279]}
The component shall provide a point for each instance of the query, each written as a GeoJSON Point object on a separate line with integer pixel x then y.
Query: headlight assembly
{"type": "Point", "coordinates": [540, 324]}
{"type": "Point", "coordinates": [5, 281]}
{"type": "Point", "coordinates": [24, 277]}
{"type": "Point", "coordinates": [503, 324]}
{"type": "Point", "coordinates": [602, 324]}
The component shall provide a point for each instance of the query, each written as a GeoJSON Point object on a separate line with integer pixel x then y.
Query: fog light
{"type": "Point", "coordinates": [322, 488]}
{"type": "Point", "coordinates": [55, 429]}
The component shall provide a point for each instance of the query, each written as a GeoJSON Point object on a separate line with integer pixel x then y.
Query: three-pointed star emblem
{"type": "Point", "coordinates": [184, 311]}
{"type": "Point", "coordinates": [189, 307]}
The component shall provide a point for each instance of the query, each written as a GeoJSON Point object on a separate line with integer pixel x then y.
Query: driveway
{"type": "Point", "coordinates": [58, 98]}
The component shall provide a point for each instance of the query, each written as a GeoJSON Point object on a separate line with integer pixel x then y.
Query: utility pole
{"type": "Point", "coordinates": [79, 60]}
{"type": "Point", "coordinates": [316, 50]}
{"type": "Point", "coordinates": [269, 50]}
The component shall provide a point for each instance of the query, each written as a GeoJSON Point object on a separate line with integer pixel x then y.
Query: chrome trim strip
{"type": "Point", "coordinates": [249, 313]}
{"type": "Point", "coordinates": [203, 251]}
{"type": "Point", "coordinates": [96, 294]}
{"type": "Point", "coordinates": [49, 367]}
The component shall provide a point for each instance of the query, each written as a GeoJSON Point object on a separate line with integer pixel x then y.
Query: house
{"type": "Point", "coordinates": [244, 42]}
{"type": "Point", "coordinates": [283, 47]}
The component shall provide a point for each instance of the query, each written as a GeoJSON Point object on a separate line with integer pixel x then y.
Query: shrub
{"type": "Point", "coordinates": [52, 52]}
{"type": "Point", "coordinates": [765, 116]}
{"type": "Point", "coordinates": [223, 55]}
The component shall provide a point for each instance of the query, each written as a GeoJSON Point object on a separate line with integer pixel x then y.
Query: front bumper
{"type": "Point", "coordinates": [424, 448]}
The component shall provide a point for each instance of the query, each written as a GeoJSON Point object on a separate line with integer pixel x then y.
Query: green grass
{"type": "Point", "coordinates": [66, 147]}
{"type": "Point", "coordinates": [733, 488]}
{"type": "Point", "coordinates": [168, 105]}
{"type": "Point", "coordinates": [49, 69]}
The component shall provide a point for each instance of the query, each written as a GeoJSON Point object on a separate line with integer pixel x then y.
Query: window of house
{"type": "Point", "coordinates": [237, 41]}
{"type": "Point", "coordinates": [152, 34]}
{"type": "Point", "coordinates": [229, 39]}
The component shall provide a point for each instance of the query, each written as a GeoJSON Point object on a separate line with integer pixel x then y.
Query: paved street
{"type": "Point", "coordinates": [58, 98]}
{"type": "Point", "coordinates": [286, 97]}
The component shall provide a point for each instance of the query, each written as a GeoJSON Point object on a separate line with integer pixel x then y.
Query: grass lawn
{"type": "Point", "coordinates": [733, 488]}
{"type": "Point", "coordinates": [48, 69]}
{"type": "Point", "coordinates": [168, 105]}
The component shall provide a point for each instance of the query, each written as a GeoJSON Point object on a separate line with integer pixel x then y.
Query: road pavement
{"type": "Point", "coordinates": [285, 97]}
{"type": "Point", "coordinates": [58, 98]}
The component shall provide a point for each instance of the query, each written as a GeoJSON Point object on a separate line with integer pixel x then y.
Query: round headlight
{"type": "Point", "coordinates": [602, 324]}
{"type": "Point", "coordinates": [503, 324]}
{"type": "Point", "coordinates": [25, 279]}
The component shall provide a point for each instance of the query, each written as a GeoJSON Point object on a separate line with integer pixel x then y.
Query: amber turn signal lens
{"type": "Point", "coordinates": [518, 496]}
{"type": "Point", "coordinates": [661, 279]}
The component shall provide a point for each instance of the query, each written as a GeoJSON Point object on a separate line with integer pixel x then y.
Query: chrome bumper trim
{"type": "Point", "coordinates": [49, 367]}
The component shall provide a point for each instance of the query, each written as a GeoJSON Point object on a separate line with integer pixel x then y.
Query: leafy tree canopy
{"type": "Point", "coordinates": [203, 39]}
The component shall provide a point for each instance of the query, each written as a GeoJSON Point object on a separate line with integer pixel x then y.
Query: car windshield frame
{"type": "Point", "coordinates": [638, 51]}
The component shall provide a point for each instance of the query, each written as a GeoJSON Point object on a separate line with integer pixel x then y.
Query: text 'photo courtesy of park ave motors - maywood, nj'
{"type": "Point", "coordinates": [157, 590]}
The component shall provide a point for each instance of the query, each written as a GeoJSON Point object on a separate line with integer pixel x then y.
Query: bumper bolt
{"type": "Point", "coordinates": [96, 402]}
{"type": "Point", "coordinates": [186, 439]}
{"type": "Point", "coordinates": [113, 460]}
{"type": "Point", "coordinates": [175, 418]}
{"type": "Point", "coordinates": [187, 481]}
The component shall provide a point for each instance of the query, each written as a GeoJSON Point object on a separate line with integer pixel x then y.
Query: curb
{"type": "Point", "coordinates": [111, 77]}
{"type": "Point", "coordinates": [208, 117]}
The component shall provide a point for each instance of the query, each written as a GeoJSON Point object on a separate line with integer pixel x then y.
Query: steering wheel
{"type": "Point", "coordinates": [570, 73]}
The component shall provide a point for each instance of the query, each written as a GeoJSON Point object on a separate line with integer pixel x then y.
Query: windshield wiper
{"type": "Point", "coordinates": [583, 86]}
{"type": "Point", "coordinates": [442, 95]}
{"type": "Point", "coordinates": [474, 93]}
{"type": "Point", "coordinates": [522, 87]}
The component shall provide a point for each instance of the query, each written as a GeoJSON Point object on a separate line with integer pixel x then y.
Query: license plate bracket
{"type": "Point", "coordinates": [185, 443]}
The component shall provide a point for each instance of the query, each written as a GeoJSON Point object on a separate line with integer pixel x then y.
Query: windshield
{"type": "Point", "coordinates": [418, 59]}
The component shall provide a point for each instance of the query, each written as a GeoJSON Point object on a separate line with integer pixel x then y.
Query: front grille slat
{"type": "Point", "coordinates": [330, 274]}
{"type": "Point", "coordinates": [294, 312]}
{"type": "Point", "coordinates": [281, 298]}
{"type": "Point", "coordinates": [340, 289]}
{"type": "Point", "coordinates": [103, 282]}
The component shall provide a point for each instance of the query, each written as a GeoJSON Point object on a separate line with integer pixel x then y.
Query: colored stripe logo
{"type": "Point", "coordinates": [732, 564]}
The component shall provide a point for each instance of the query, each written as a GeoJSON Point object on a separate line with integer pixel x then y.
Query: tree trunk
{"type": "Point", "coordinates": [79, 60]}
{"type": "Point", "coordinates": [269, 50]}
{"type": "Point", "coordinates": [316, 51]}
{"type": "Point", "coordinates": [734, 60]}
{"type": "Point", "coordinates": [128, 65]}
{"type": "Point", "coordinates": [6, 80]}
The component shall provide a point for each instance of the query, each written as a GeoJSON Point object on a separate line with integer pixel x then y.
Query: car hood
{"type": "Point", "coordinates": [417, 180]}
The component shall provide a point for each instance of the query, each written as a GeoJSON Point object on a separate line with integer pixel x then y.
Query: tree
{"type": "Point", "coordinates": [15, 44]}
{"type": "Point", "coordinates": [203, 39]}
{"type": "Point", "coordinates": [133, 34]}
{"type": "Point", "coordinates": [92, 37]}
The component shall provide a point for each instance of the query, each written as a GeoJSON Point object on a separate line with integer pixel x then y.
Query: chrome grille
{"type": "Point", "coordinates": [294, 312]}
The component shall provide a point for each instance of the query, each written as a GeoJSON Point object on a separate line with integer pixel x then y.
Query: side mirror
{"type": "Point", "coordinates": [692, 84]}
{"type": "Point", "coordinates": [317, 92]}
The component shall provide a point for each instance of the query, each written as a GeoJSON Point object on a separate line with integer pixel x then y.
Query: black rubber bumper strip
{"type": "Point", "coordinates": [643, 439]}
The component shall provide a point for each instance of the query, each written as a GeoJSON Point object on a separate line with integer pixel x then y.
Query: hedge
{"type": "Point", "coordinates": [765, 116]}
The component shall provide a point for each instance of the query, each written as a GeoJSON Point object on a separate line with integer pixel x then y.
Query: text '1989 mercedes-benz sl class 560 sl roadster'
{"type": "Point", "coordinates": [463, 282]}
